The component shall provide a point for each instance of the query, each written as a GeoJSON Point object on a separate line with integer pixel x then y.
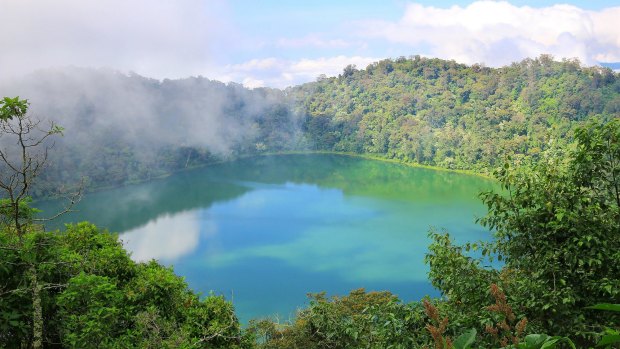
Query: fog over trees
{"type": "Point", "coordinates": [125, 128]}
{"type": "Point", "coordinates": [122, 128]}
{"type": "Point", "coordinates": [548, 131]}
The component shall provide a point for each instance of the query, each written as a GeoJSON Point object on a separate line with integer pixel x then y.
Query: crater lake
{"type": "Point", "coordinates": [265, 231]}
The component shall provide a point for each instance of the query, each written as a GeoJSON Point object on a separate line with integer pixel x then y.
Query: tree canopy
{"type": "Point", "coordinates": [551, 128]}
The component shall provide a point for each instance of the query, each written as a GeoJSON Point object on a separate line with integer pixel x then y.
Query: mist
{"type": "Point", "coordinates": [111, 117]}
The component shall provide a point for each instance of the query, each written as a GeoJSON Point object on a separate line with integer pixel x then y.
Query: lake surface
{"type": "Point", "coordinates": [266, 231]}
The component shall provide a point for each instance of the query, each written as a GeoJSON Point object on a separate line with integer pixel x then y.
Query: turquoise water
{"type": "Point", "coordinates": [266, 231]}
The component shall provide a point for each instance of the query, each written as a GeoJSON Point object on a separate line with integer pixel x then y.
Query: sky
{"type": "Point", "coordinates": [278, 43]}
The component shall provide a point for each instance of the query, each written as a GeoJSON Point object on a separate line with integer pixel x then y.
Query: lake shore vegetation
{"type": "Point", "coordinates": [548, 131]}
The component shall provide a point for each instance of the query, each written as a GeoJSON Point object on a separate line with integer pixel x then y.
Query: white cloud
{"type": "Point", "coordinates": [153, 38]}
{"type": "Point", "coordinates": [312, 40]}
{"type": "Point", "coordinates": [253, 83]}
{"type": "Point", "coordinates": [330, 66]}
{"type": "Point", "coordinates": [282, 73]}
{"type": "Point", "coordinates": [170, 237]}
{"type": "Point", "coordinates": [498, 33]}
{"type": "Point", "coordinates": [173, 39]}
{"type": "Point", "coordinates": [256, 64]}
{"type": "Point", "coordinates": [165, 238]}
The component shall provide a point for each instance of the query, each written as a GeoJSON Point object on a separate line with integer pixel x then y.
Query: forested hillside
{"type": "Point", "coordinates": [557, 230]}
{"type": "Point", "coordinates": [126, 128]}
{"type": "Point", "coordinates": [450, 115]}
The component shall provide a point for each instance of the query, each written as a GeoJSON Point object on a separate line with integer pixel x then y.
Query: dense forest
{"type": "Point", "coordinates": [127, 128]}
{"type": "Point", "coordinates": [548, 131]}
{"type": "Point", "coordinates": [121, 129]}
{"type": "Point", "coordinates": [445, 114]}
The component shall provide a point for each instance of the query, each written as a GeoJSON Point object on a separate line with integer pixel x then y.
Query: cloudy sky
{"type": "Point", "coordinates": [280, 43]}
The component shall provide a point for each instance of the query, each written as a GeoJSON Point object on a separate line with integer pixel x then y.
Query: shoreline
{"type": "Point", "coordinates": [377, 158]}
{"type": "Point", "coordinates": [281, 153]}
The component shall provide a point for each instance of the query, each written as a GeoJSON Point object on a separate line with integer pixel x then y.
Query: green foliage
{"type": "Point", "coordinates": [542, 341]}
{"type": "Point", "coordinates": [441, 113]}
{"type": "Point", "coordinates": [90, 309]}
{"type": "Point", "coordinates": [95, 296]}
{"type": "Point", "coordinates": [610, 339]}
{"type": "Point", "coordinates": [155, 285]}
{"type": "Point", "coordinates": [556, 220]}
{"type": "Point", "coordinates": [557, 228]}
{"type": "Point", "coordinates": [611, 336]}
{"type": "Point", "coordinates": [461, 278]}
{"type": "Point", "coordinates": [359, 320]}
{"type": "Point", "coordinates": [465, 340]}
{"type": "Point", "coordinates": [606, 306]}
{"type": "Point", "coordinates": [26, 213]}
{"type": "Point", "coordinates": [427, 111]}
{"type": "Point", "coordinates": [96, 252]}
{"type": "Point", "coordinates": [12, 107]}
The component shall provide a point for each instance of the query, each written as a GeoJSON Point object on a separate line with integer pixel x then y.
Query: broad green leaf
{"type": "Point", "coordinates": [535, 340]}
{"type": "Point", "coordinates": [549, 343]}
{"type": "Point", "coordinates": [605, 306]}
{"type": "Point", "coordinates": [609, 339]}
{"type": "Point", "coordinates": [465, 340]}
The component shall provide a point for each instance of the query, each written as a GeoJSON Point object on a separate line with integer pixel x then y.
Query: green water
{"type": "Point", "coordinates": [265, 231]}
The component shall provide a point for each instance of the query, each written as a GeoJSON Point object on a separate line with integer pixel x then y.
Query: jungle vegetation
{"type": "Point", "coordinates": [124, 129]}
{"type": "Point", "coordinates": [548, 131]}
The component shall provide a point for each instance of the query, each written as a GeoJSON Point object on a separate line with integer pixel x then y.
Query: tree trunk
{"type": "Point", "coordinates": [37, 310]}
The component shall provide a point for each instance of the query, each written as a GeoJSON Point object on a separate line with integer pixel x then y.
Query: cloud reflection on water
{"type": "Point", "coordinates": [165, 238]}
{"type": "Point", "coordinates": [357, 247]}
{"type": "Point", "coordinates": [303, 226]}
{"type": "Point", "coordinates": [274, 228]}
